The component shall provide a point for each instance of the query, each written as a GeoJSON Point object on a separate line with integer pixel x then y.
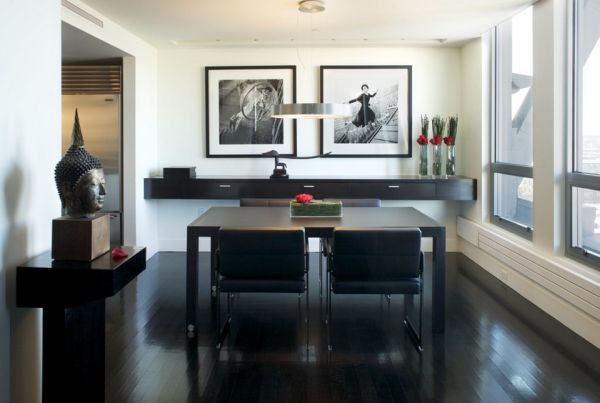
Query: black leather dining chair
{"type": "Point", "coordinates": [376, 261]}
{"type": "Point", "coordinates": [260, 260]}
{"type": "Point", "coordinates": [323, 242]}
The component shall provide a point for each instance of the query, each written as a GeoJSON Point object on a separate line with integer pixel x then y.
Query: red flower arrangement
{"type": "Point", "coordinates": [450, 140]}
{"type": "Point", "coordinates": [422, 140]}
{"type": "Point", "coordinates": [304, 198]}
{"type": "Point", "coordinates": [436, 140]}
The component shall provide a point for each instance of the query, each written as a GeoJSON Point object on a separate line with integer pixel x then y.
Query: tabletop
{"type": "Point", "coordinates": [362, 217]}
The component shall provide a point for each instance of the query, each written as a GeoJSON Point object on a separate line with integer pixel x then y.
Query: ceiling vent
{"type": "Point", "coordinates": [82, 13]}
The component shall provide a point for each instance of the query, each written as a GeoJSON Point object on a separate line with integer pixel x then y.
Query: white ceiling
{"type": "Point", "coordinates": [278, 22]}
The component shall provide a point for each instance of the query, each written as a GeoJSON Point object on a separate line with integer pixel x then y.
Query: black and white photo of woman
{"type": "Point", "coordinates": [365, 115]}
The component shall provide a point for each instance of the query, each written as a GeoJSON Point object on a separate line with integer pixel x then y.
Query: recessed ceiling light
{"type": "Point", "coordinates": [311, 6]}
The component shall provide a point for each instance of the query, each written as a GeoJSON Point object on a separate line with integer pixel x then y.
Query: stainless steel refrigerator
{"type": "Point", "coordinates": [100, 119]}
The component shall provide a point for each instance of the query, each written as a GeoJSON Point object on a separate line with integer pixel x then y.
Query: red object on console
{"type": "Point", "coordinates": [118, 253]}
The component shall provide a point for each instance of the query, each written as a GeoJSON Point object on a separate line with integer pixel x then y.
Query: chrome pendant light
{"type": "Point", "coordinates": [311, 110]}
{"type": "Point", "coordinates": [311, 6]}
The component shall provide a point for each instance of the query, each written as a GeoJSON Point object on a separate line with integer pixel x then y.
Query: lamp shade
{"type": "Point", "coordinates": [311, 111]}
{"type": "Point", "coordinates": [311, 6]}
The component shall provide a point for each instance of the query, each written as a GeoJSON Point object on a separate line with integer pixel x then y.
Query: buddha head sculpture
{"type": "Point", "coordinates": [80, 178]}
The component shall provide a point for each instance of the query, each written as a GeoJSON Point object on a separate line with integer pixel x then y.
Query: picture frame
{"type": "Point", "coordinates": [384, 127]}
{"type": "Point", "coordinates": [238, 102]}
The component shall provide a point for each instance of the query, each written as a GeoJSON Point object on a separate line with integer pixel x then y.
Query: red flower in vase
{"type": "Point", "coordinates": [436, 141]}
{"type": "Point", "coordinates": [304, 198]}
{"type": "Point", "coordinates": [422, 140]}
{"type": "Point", "coordinates": [449, 141]}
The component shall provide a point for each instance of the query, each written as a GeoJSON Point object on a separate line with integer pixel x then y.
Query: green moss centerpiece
{"type": "Point", "coordinates": [305, 206]}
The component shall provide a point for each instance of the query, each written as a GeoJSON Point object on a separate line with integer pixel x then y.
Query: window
{"type": "Point", "coordinates": [583, 181]}
{"type": "Point", "coordinates": [512, 158]}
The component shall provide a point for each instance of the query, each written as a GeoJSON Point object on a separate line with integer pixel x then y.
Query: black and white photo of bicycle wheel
{"type": "Point", "coordinates": [245, 112]}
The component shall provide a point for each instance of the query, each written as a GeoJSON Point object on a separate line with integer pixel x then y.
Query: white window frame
{"type": "Point", "coordinates": [575, 178]}
{"type": "Point", "coordinates": [496, 167]}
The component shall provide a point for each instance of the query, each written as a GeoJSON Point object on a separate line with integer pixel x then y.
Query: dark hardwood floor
{"type": "Point", "coordinates": [494, 349]}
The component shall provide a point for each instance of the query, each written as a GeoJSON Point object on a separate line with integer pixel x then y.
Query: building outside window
{"type": "Point", "coordinates": [584, 178]}
{"type": "Point", "coordinates": [512, 158]}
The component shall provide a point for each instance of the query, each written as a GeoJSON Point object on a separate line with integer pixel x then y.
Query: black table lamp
{"type": "Point", "coordinates": [280, 171]}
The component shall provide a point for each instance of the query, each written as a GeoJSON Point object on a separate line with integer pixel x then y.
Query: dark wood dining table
{"type": "Point", "coordinates": [209, 223]}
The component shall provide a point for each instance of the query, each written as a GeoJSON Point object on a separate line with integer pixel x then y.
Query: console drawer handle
{"type": "Point", "coordinates": [224, 186]}
{"type": "Point", "coordinates": [309, 186]}
{"type": "Point", "coordinates": [393, 186]}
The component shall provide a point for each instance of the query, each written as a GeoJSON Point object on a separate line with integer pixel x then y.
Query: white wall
{"type": "Point", "coordinates": [181, 120]}
{"type": "Point", "coordinates": [139, 123]}
{"type": "Point", "coordinates": [30, 134]}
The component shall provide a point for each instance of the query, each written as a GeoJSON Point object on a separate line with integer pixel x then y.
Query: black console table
{"type": "Point", "coordinates": [72, 297]}
{"type": "Point", "coordinates": [406, 187]}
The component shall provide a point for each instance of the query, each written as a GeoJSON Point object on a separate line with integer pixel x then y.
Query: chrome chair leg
{"type": "Point", "coordinates": [320, 267]}
{"type": "Point", "coordinates": [327, 286]}
{"type": "Point", "coordinates": [417, 339]}
{"type": "Point", "coordinates": [329, 317]}
{"type": "Point", "coordinates": [224, 331]}
{"type": "Point", "coordinates": [307, 316]}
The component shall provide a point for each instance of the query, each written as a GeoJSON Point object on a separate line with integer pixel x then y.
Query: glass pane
{"type": "Point", "coordinates": [587, 145]}
{"type": "Point", "coordinates": [514, 199]}
{"type": "Point", "coordinates": [586, 219]}
{"type": "Point", "coordinates": [515, 75]}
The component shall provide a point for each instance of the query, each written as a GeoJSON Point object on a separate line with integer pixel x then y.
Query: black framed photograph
{"type": "Point", "coordinates": [238, 110]}
{"type": "Point", "coordinates": [381, 121]}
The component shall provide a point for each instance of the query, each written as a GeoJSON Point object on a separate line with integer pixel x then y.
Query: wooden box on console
{"type": "Point", "coordinates": [82, 239]}
{"type": "Point", "coordinates": [179, 172]}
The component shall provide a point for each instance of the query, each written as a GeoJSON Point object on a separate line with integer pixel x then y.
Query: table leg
{"type": "Point", "coordinates": [213, 267]}
{"type": "Point", "coordinates": [438, 296]}
{"type": "Point", "coordinates": [191, 282]}
{"type": "Point", "coordinates": [73, 353]}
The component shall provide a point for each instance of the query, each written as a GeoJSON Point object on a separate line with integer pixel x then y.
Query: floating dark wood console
{"type": "Point", "coordinates": [72, 297]}
{"type": "Point", "coordinates": [385, 188]}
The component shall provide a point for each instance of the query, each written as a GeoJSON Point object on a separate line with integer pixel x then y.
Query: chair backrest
{"type": "Point", "coordinates": [376, 254]}
{"type": "Point", "coordinates": [247, 202]}
{"type": "Point", "coordinates": [358, 202]}
{"type": "Point", "coordinates": [261, 253]}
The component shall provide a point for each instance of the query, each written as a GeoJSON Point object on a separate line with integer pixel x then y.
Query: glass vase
{"type": "Point", "coordinates": [450, 160]}
{"type": "Point", "coordinates": [436, 166]}
{"type": "Point", "coordinates": [423, 159]}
